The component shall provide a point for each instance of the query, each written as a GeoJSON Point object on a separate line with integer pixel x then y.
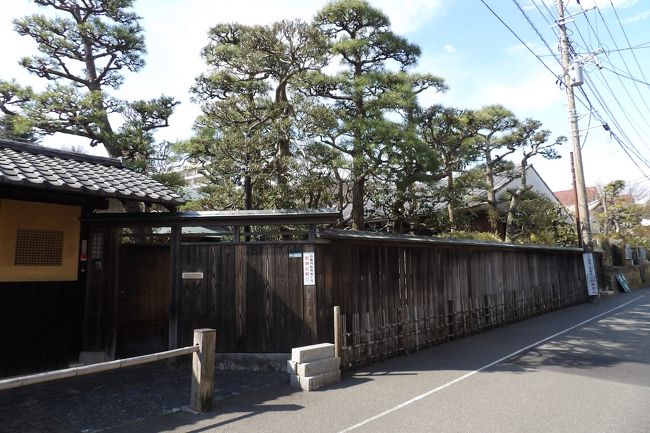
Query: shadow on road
{"type": "Point", "coordinates": [619, 337]}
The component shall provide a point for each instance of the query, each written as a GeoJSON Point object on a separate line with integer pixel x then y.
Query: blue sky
{"type": "Point", "coordinates": [461, 41]}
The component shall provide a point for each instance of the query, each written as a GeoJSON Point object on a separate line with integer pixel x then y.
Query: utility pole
{"type": "Point", "coordinates": [575, 200]}
{"type": "Point", "coordinates": [585, 234]}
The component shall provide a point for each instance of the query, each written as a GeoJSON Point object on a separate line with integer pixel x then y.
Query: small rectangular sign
{"type": "Point", "coordinates": [309, 269]}
{"type": "Point", "coordinates": [295, 255]}
{"type": "Point", "coordinates": [192, 275]}
{"type": "Point", "coordinates": [590, 273]}
{"type": "Point", "coordinates": [623, 282]}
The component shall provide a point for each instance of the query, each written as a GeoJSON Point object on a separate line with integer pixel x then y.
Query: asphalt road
{"type": "Point", "coordinates": [583, 369]}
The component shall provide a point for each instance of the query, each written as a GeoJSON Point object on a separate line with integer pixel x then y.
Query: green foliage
{"type": "Point", "coordinates": [449, 133]}
{"type": "Point", "coordinates": [531, 140]}
{"type": "Point", "coordinates": [622, 219]}
{"type": "Point", "coordinates": [171, 179]}
{"type": "Point", "coordinates": [470, 235]}
{"type": "Point", "coordinates": [279, 130]}
{"type": "Point", "coordinates": [539, 220]}
{"type": "Point", "coordinates": [246, 136]}
{"type": "Point", "coordinates": [365, 91]}
{"type": "Point", "coordinates": [82, 52]}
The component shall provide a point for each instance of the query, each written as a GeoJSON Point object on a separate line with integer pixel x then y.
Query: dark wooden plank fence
{"type": "Point", "coordinates": [253, 294]}
{"type": "Point", "coordinates": [395, 297]}
{"type": "Point", "coordinates": [399, 298]}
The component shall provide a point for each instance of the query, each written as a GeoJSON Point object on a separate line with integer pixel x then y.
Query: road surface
{"type": "Point", "coordinates": [582, 369]}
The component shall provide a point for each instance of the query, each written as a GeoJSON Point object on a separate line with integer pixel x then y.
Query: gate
{"type": "Point", "coordinates": [252, 293]}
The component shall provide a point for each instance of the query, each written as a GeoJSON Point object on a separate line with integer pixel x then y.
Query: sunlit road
{"type": "Point", "coordinates": [583, 369]}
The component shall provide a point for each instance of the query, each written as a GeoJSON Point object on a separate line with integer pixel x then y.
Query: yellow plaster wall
{"type": "Point", "coordinates": [15, 214]}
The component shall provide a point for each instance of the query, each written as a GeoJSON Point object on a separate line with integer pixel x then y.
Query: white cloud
{"type": "Point", "coordinates": [606, 3]}
{"type": "Point", "coordinates": [521, 47]}
{"type": "Point", "coordinates": [529, 94]}
{"type": "Point", "coordinates": [638, 17]}
{"type": "Point", "coordinates": [409, 15]}
{"type": "Point", "coordinates": [449, 48]}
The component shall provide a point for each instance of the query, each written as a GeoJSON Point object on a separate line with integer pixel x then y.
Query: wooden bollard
{"type": "Point", "coordinates": [203, 370]}
{"type": "Point", "coordinates": [337, 332]}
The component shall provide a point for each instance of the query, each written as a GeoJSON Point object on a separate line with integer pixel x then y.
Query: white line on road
{"type": "Point", "coordinates": [491, 364]}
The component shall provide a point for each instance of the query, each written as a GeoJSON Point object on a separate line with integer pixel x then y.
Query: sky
{"type": "Point", "coordinates": [462, 41]}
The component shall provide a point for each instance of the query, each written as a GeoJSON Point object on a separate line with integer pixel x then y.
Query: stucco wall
{"type": "Point", "coordinates": [16, 215]}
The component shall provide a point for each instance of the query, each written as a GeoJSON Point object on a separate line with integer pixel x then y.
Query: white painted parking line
{"type": "Point", "coordinates": [491, 364]}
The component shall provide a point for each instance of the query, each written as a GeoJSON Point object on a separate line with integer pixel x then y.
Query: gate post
{"type": "Point", "coordinates": [203, 370]}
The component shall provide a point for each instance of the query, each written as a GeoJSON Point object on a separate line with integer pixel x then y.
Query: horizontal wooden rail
{"type": "Point", "coordinates": [31, 379]}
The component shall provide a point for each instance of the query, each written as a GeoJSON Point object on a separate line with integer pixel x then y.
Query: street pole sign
{"type": "Point", "coordinates": [590, 273]}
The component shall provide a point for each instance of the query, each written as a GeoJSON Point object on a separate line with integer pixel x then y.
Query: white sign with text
{"type": "Point", "coordinates": [309, 269]}
{"type": "Point", "coordinates": [590, 273]}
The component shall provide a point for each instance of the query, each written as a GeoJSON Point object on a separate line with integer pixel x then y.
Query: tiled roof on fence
{"type": "Point", "coordinates": [37, 167]}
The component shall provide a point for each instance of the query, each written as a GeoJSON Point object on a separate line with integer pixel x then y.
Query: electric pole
{"type": "Point", "coordinates": [583, 208]}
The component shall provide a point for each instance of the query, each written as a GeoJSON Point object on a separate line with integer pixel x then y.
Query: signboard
{"type": "Point", "coordinates": [590, 273]}
{"type": "Point", "coordinates": [623, 282]}
{"type": "Point", "coordinates": [309, 269]}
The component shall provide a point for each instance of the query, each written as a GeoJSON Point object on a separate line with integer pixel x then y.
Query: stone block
{"type": "Point", "coordinates": [314, 352]}
{"type": "Point", "coordinates": [312, 383]}
{"type": "Point", "coordinates": [313, 368]}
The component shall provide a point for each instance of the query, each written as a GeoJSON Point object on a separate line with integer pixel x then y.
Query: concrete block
{"type": "Point", "coordinates": [252, 361]}
{"type": "Point", "coordinates": [88, 358]}
{"type": "Point", "coordinates": [312, 383]}
{"type": "Point", "coordinates": [314, 352]}
{"type": "Point", "coordinates": [294, 381]}
{"type": "Point", "coordinates": [313, 368]}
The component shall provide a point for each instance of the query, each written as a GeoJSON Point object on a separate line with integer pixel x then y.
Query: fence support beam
{"type": "Point", "coordinates": [203, 370]}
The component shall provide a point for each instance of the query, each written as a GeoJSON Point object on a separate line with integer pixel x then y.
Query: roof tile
{"type": "Point", "coordinates": [40, 167]}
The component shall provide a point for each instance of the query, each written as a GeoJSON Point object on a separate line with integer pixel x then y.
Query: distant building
{"type": "Point", "coordinates": [192, 175]}
{"type": "Point", "coordinates": [594, 204]}
{"type": "Point", "coordinates": [504, 183]}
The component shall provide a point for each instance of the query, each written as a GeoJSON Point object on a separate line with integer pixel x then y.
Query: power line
{"type": "Point", "coordinates": [559, 79]}
{"type": "Point", "coordinates": [588, 105]}
{"type": "Point", "coordinates": [622, 58]}
{"type": "Point", "coordinates": [606, 83]}
{"type": "Point", "coordinates": [620, 74]}
{"type": "Point", "coordinates": [628, 43]}
{"type": "Point", "coordinates": [537, 31]}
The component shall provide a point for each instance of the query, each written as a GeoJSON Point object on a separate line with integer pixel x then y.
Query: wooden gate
{"type": "Point", "coordinates": [143, 300]}
{"type": "Point", "coordinates": [252, 294]}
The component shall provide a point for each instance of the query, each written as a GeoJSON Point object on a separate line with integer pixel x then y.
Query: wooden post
{"type": "Point", "coordinates": [337, 331]}
{"type": "Point", "coordinates": [175, 281]}
{"type": "Point", "coordinates": [203, 370]}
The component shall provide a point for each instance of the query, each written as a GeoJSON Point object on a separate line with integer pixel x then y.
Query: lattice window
{"type": "Point", "coordinates": [97, 245]}
{"type": "Point", "coordinates": [38, 247]}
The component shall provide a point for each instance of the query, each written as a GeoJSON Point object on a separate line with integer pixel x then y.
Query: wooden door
{"type": "Point", "coordinates": [144, 297]}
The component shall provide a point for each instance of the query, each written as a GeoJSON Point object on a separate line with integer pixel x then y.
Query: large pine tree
{"type": "Point", "coordinates": [83, 48]}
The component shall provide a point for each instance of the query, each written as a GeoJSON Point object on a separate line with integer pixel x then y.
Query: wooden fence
{"type": "Point", "coordinates": [397, 297]}
{"type": "Point", "coordinates": [202, 384]}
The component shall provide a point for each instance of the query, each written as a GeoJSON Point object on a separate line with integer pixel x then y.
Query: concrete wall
{"type": "Point", "coordinates": [637, 276]}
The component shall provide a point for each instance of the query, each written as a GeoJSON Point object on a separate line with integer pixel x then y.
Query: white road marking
{"type": "Point", "coordinates": [491, 364]}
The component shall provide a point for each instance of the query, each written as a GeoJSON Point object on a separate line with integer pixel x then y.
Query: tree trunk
{"type": "Point", "coordinates": [283, 146]}
{"type": "Point", "coordinates": [493, 211]}
{"type": "Point", "coordinates": [106, 135]}
{"type": "Point", "coordinates": [514, 203]}
{"type": "Point", "coordinates": [248, 193]}
{"type": "Point", "coordinates": [397, 210]}
{"type": "Point", "coordinates": [450, 197]}
{"type": "Point", "coordinates": [358, 192]}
